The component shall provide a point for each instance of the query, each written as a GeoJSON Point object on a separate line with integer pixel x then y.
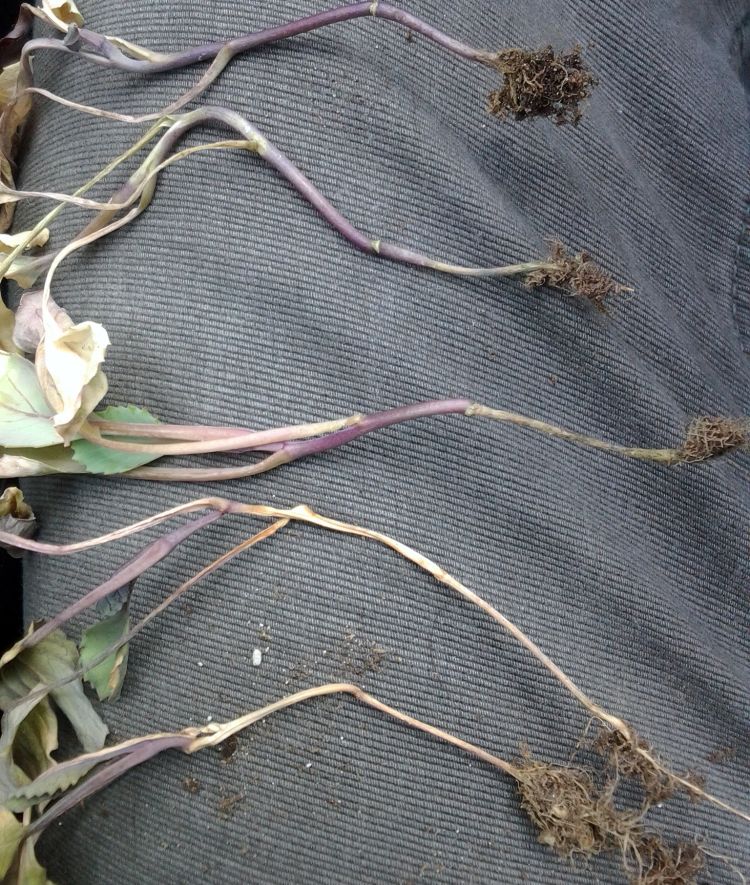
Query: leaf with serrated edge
{"type": "Point", "coordinates": [29, 737]}
{"type": "Point", "coordinates": [52, 659]}
{"type": "Point", "coordinates": [107, 677]}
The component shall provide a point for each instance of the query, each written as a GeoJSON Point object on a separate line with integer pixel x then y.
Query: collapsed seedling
{"type": "Point", "coordinates": [534, 84]}
{"type": "Point", "coordinates": [48, 422]}
{"type": "Point", "coordinates": [573, 808]}
{"type": "Point", "coordinates": [578, 276]}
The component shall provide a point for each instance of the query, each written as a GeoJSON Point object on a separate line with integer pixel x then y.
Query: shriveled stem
{"type": "Point", "coordinates": [94, 662]}
{"type": "Point", "coordinates": [108, 52]}
{"type": "Point", "coordinates": [304, 514]}
{"type": "Point", "coordinates": [50, 216]}
{"type": "Point", "coordinates": [286, 448]}
{"type": "Point", "coordinates": [116, 761]}
{"type": "Point", "coordinates": [143, 182]}
{"type": "Point", "coordinates": [136, 566]}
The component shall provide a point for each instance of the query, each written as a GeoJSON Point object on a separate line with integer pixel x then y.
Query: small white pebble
{"type": "Point", "coordinates": [257, 657]}
{"type": "Point", "coordinates": [308, 764]}
{"type": "Point", "coordinates": [200, 663]}
{"type": "Point", "coordinates": [209, 718]}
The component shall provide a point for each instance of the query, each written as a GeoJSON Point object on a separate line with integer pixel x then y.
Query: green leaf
{"type": "Point", "coordinates": [54, 658]}
{"type": "Point", "coordinates": [106, 678]}
{"type": "Point", "coordinates": [25, 414]}
{"type": "Point", "coordinates": [98, 459]}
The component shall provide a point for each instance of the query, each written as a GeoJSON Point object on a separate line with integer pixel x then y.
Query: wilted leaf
{"type": "Point", "coordinates": [98, 459]}
{"type": "Point", "coordinates": [16, 517]}
{"type": "Point", "coordinates": [24, 270]}
{"type": "Point", "coordinates": [18, 462]}
{"type": "Point", "coordinates": [12, 42]}
{"type": "Point", "coordinates": [29, 870]}
{"type": "Point", "coordinates": [29, 736]}
{"type": "Point", "coordinates": [13, 113]}
{"type": "Point", "coordinates": [67, 365]}
{"type": "Point", "coordinates": [7, 326]}
{"type": "Point", "coordinates": [52, 659]}
{"type": "Point", "coordinates": [11, 833]}
{"type": "Point", "coordinates": [107, 677]}
{"type": "Point", "coordinates": [57, 778]}
{"type": "Point", "coordinates": [25, 414]}
{"type": "Point", "coordinates": [65, 11]}
{"type": "Point", "coordinates": [8, 242]}
{"type": "Point", "coordinates": [29, 323]}
{"type": "Point", "coordinates": [8, 80]}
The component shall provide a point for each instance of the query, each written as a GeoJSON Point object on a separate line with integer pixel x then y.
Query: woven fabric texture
{"type": "Point", "coordinates": [230, 301]}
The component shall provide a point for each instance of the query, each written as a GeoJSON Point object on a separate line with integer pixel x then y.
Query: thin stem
{"type": "Point", "coordinates": [220, 732]}
{"type": "Point", "coordinates": [140, 186]}
{"type": "Point", "coordinates": [104, 51]}
{"type": "Point", "coordinates": [258, 144]}
{"type": "Point", "coordinates": [112, 649]}
{"type": "Point", "coordinates": [220, 505]}
{"type": "Point", "coordinates": [304, 514]}
{"type": "Point", "coordinates": [50, 216]}
{"type": "Point", "coordinates": [293, 450]}
{"type": "Point", "coordinates": [136, 566]}
{"type": "Point", "coordinates": [135, 751]}
{"type": "Point", "coordinates": [109, 206]}
{"type": "Point", "coordinates": [224, 442]}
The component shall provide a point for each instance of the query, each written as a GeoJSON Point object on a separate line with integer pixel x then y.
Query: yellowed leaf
{"type": "Point", "coordinates": [8, 81]}
{"type": "Point", "coordinates": [67, 364]}
{"type": "Point", "coordinates": [7, 328]}
{"type": "Point", "coordinates": [8, 242]}
{"type": "Point", "coordinates": [7, 208]}
{"type": "Point", "coordinates": [65, 11]}
{"type": "Point", "coordinates": [24, 270]}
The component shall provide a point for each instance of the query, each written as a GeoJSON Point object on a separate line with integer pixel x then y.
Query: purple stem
{"type": "Point", "coordinates": [105, 53]}
{"type": "Point", "coordinates": [299, 181]}
{"type": "Point", "coordinates": [294, 449]}
{"type": "Point", "coordinates": [102, 777]}
{"type": "Point", "coordinates": [149, 556]}
{"type": "Point", "coordinates": [376, 421]}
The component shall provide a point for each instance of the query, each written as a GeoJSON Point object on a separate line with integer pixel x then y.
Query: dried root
{"type": "Point", "coordinates": [576, 814]}
{"type": "Point", "coordinates": [623, 759]}
{"type": "Point", "coordinates": [540, 84]}
{"type": "Point", "coordinates": [708, 437]}
{"type": "Point", "coordinates": [577, 274]}
{"type": "Point", "coordinates": [661, 864]}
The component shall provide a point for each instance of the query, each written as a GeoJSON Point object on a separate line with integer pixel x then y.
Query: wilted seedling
{"type": "Point", "coordinates": [629, 745]}
{"type": "Point", "coordinates": [577, 275]}
{"type": "Point", "coordinates": [541, 83]}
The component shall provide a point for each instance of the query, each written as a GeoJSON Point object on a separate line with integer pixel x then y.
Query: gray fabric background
{"type": "Point", "coordinates": [230, 301]}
